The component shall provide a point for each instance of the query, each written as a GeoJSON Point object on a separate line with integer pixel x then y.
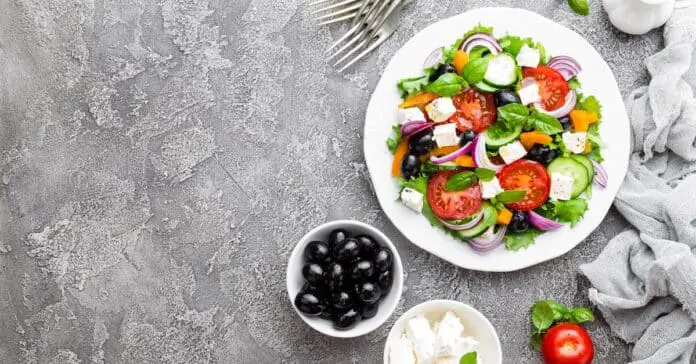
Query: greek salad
{"type": "Point", "coordinates": [495, 142]}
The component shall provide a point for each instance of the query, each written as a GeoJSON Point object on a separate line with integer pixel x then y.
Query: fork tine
{"type": "Point", "coordinates": [330, 21]}
{"type": "Point", "coordinates": [363, 53]}
{"type": "Point", "coordinates": [343, 37]}
{"type": "Point", "coordinates": [336, 5]}
{"type": "Point", "coordinates": [355, 38]}
{"type": "Point", "coordinates": [339, 12]}
{"type": "Point", "coordinates": [317, 2]}
{"type": "Point", "coordinates": [353, 50]}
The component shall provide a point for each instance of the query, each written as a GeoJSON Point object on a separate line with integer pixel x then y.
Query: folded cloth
{"type": "Point", "coordinates": [644, 281]}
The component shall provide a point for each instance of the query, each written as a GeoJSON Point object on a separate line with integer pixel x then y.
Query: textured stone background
{"type": "Point", "coordinates": [160, 159]}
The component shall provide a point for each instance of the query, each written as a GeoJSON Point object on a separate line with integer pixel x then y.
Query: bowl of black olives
{"type": "Point", "coordinates": [344, 278]}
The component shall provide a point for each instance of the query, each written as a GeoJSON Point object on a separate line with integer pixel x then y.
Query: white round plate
{"type": "Point", "coordinates": [596, 78]}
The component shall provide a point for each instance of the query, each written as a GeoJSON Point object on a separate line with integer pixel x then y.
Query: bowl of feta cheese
{"type": "Point", "coordinates": [442, 332]}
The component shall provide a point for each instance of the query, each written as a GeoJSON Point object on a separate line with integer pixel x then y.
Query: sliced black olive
{"type": "Point", "coordinates": [410, 166]}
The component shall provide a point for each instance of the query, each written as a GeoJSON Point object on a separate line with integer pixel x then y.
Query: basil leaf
{"type": "Point", "coordinates": [542, 315]}
{"type": "Point", "coordinates": [479, 28]}
{"type": "Point", "coordinates": [411, 86]}
{"type": "Point", "coordinates": [559, 311]}
{"type": "Point", "coordinates": [449, 84]}
{"type": "Point", "coordinates": [570, 211]}
{"type": "Point", "coordinates": [429, 167]}
{"type": "Point", "coordinates": [517, 241]}
{"type": "Point", "coordinates": [544, 123]}
{"type": "Point", "coordinates": [579, 6]}
{"type": "Point", "coordinates": [579, 315]}
{"type": "Point", "coordinates": [468, 358]}
{"type": "Point", "coordinates": [478, 52]}
{"type": "Point", "coordinates": [510, 196]}
{"type": "Point", "coordinates": [484, 174]}
{"type": "Point", "coordinates": [395, 139]}
{"type": "Point", "coordinates": [513, 115]}
{"type": "Point", "coordinates": [474, 71]}
{"type": "Point", "coordinates": [536, 341]}
{"type": "Point", "coordinates": [460, 181]}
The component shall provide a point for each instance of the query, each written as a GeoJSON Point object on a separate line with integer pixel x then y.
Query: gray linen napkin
{"type": "Point", "coordinates": [644, 282]}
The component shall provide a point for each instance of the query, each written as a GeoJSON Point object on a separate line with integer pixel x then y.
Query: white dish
{"type": "Point", "coordinates": [597, 79]}
{"type": "Point", "coordinates": [295, 281]}
{"type": "Point", "coordinates": [475, 325]}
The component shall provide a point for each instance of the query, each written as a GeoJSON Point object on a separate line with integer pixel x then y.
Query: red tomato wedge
{"type": "Point", "coordinates": [528, 176]}
{"type": "Point", "coordinates": [567, 343]}
{"type": "Point", "coordinates": [454, 205]}
{"type": "Point", "coordinates": [474, 110]}
{"type": "Point", "coordinates": [553, 88]}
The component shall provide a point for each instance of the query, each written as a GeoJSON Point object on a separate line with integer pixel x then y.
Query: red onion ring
{"type": "Point", "coordinates": [466, 226]}
{"type": "Point", "coordinates": [413, 127]}
{"type": "Point", "coordinates": [480, 157]}
{"type": "Point", "coordinates": [543, 223]}
{"type": "Point", "coordinates": [566, 66]}
{"type": "Point", "coordinates": [433, 58]}
{"type": "Point", "coordinates": [568, 106]}
{"type": "Point", "coordinates": [601, 176]}
{"type": "Point", "coordinates": [480, 244]}
{"type": "Point", "coordinates": [454, 155]}
{"type": "Point", "coordinates": [483, 40]}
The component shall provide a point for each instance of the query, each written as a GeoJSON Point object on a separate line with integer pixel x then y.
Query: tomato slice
{"type": "Point", "coordinates": [553, 88]}
{"type": "Point", "coordinates": [530, 177]}
{"type": "Point", "coordinates": [452, 205]}
{"type": "Point", "coordinates": [474, 110]}
{"type": "Point", "coordinates": [567, 343]}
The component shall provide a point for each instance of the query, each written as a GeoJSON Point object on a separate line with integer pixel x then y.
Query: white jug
{"type": "Point", "coordinates": [638, 16]}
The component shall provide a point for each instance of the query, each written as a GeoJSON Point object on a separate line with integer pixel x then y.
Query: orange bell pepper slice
{"type": "Point", "coordinates": [417, 100]}
{"type": "Point", "coordinates": [465, 161]}
{"type": "Point", "coordinates": [504, 216]}
{"type": "Point", "coordinates": [534, 137]}
{"type": "Point", "coordinates": [460, 60]}
{"type": "Point", "coordinates": [399, 154]}
{"type": "Point", "coordinates": [588, 147]}
{"type": "Point", "coordinates": [582, 119]}
{"type": "Point", "coordinates": [440, 151]}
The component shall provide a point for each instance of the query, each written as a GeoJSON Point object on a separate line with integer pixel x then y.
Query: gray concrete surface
{"type": "Point", "coordinates": [160, 159]}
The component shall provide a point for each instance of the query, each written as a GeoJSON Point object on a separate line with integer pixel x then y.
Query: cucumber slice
{"type": "Point", "coordinates": [484, 87]}
{"type": "Point", "coordinates": [501, 71]}
{"type": "Point", "coordinates": [497, 137]}
{"type": "Point", "coordinates": [572, 168]}
{"type": "Point", "coordinates": [585, 162]}
{"type": "Point", "coordinates": [490, 215]}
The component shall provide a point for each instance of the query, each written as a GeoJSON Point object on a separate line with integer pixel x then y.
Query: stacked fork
{"type": "Point", "coordinates": [372, 22]}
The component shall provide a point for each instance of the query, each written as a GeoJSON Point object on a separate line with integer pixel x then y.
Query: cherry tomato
{"type": "Point", "coordinates": [454, 205]}
{"type": "Point", "coordinates": [474, 110]}
{"type": "Point", "coordinates": [553, 88]}
{"type": "Point", "coordinates": [567, 343]}
{"type": "Point", "coordinates": [530, 177]}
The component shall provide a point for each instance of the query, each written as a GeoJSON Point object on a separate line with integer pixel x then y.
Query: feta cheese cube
{"type": "Point", "coordinates": [512, 152]}
{"type": "Point", "coordinates": [412, 198]}
{"type": "Point", "coordinates": [440, 109]}
{"type": "Point", "coordinates": [528, 57]}
{"type": "Point", "coordinates": [561, 186]}
{"type": "Point", "coordinates": [422, 337]}
{"type": "Point", "coordinates": [575, 142]}
{"type": "Point", "coordinates": [448, 331]}
{"type": "Point", "coordinates": [401, 351]}
{"type": "Point", "coordinates": [529, 94]}
{"type": "Point", "coordinates": [445, 135]}
{"type": "Point", "coordinates": [490, 188]}
{"type": "Point", "coordinates": [464, 345]}
{"type": "Point", "coordinates": [410, 114]}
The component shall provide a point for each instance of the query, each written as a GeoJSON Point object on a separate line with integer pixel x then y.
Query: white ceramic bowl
{"type": "Point", "coordinates": [475, 325]}
{"type": "Point", "coordinates": [295, 281]}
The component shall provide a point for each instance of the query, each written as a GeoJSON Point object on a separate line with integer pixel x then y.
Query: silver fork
{"type": "Point", "coordinates": [384, 24]}
{"type": "Point", "coordinates": [342, 10]}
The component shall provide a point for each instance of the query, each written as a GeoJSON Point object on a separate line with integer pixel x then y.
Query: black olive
{"type": "Point", "coordinates": [346, 320]}
{"type": "Point", "coordinates": [466, 137]}
{"type": "Point", "coordinates": [342, 300]}
{"type": "Point", "coordinates": [421, 142]}
{"type": "Point", "coordinates": [383, 259]}
{"type": "Point", "coordinates": [309, 303]}
{"type": "Point", "coordinates": [369, 292]}
{"type": "Point", "coordinates": [542, 154]}
{"type": "Point", "coordinates": [384, 281]}
{"type": "Point", "coordinates": [336, 276]}
{"type": "Point", "coordinates": [314, 274]}
{"type": "Point", "coordinates": [362, 271]}
{"type": "Point", "coordinates": [504, 97]}
{"type": "Point", "coordinates": [368, 246]}
{"type": "Point", "coordinates": [565, 123]}
{"type": "Point", "coordinates": [369, 310]}
{"type": "Point", "coordinates": [317, 252]}
{"type": "Point", "coordinates": [410, 166]}
{"type": "Point", "coordinates": [330, 313]}
{"type": "Point", "coordinates": [336, 237]}
{"type": "Point", "coordinates": [347, 251]}
{"type": "Point", "coordinates": [441, 70]}
{"type": "Point", "coordinates": [519, 222]}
